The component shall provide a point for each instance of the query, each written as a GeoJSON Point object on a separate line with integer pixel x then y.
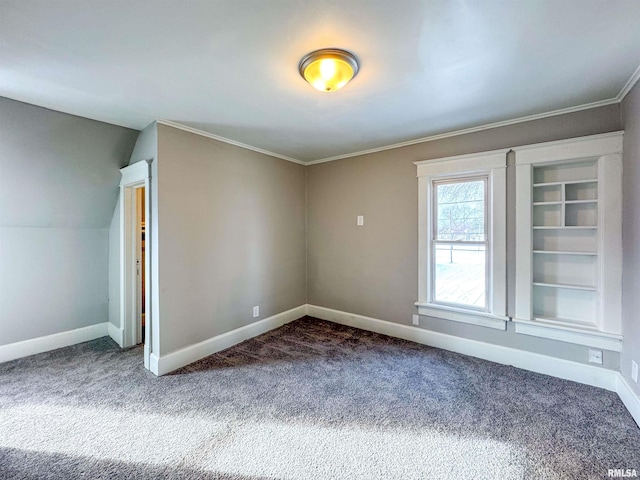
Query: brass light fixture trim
{"type": "Point", "coordinates": [328, 69]}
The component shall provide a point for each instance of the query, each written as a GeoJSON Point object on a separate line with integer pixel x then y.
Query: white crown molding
{"type": "Point", "coordinates": [33, 346]}
{"type": "Point", "coordinates": [202, 133]}
{"type": "Point", "coordinates": [455, 133]}
{"type": "Point", "coordinates": [563, 111]}
{"type": "Point", "coordinates": [629, 85]}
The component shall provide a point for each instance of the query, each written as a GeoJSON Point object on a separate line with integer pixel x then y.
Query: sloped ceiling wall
{"type": "Point", "coordinates": [58, 188]}
{"type": "Point", "coordinates": [58, 170]}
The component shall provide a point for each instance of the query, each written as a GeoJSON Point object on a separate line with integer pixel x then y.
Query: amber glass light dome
{"type": "Point", "coordinates": [329, 69]}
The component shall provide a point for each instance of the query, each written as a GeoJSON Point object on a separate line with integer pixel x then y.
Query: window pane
{"type": "Point", "coordinates": [460, 274]}
{"type": "Point", "coordinates": [460, 211]}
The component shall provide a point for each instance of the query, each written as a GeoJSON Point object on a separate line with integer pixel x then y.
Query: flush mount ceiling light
{"type": "Point", "coordinates": [328, 69]}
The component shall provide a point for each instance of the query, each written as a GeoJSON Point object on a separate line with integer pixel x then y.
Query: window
{"type": "Point", "coordinates": [459, 243]}
{"type": "Point", "coordinates": [462, 239]}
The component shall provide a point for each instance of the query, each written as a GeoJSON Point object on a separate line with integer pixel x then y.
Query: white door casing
{"type": "Point", "coordinates": [133, 177]}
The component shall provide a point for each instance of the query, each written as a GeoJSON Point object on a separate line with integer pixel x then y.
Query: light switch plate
{"type": "Point", "coordinates": [360, 220]}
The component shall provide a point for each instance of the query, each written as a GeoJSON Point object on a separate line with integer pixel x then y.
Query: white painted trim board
{"type": "Point", "coordinates": [202, 133]}
{"type": "Point", "coordinates": [54, 341]}
{"type": "Point", "coordinates": [629, 85]}
{"type": "Point", "coordinates": [163, 364]}
{"type": "Point", "coordinates": [534, 362]}
{"type": "Point", "coordinates": [582, 373]}
{"type": "Point", "coordinates": [556, 367]}
{"type": "Point", "coordinates": [465, 131]}
{"type": "Point", "coordinates": [430, 138]}
{"type": "Point", "coordinates": [630, 399]}
{"type": "Point", "coordinates": [116, 333]}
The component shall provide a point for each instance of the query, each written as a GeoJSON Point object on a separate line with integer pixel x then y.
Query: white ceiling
{"type": "Point", "coordinates": [229, 67]}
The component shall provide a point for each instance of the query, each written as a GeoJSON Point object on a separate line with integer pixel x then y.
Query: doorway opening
{"type": "Point", "coordinates": [140, 265]}
{"type": "Point", "coordinates": [135, 272]}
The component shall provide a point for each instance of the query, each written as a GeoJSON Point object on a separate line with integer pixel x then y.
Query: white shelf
{"type": "Point", "coordinates": [573, 202]}
{"type": "Point", "coordinates": [565, 321]}
{"type": "Point", "coordinates": [558, 202]}
{"type": "Point", "coordinates": [566, 331]}
{"type": "Point", "coordinates": [568, 182]}
{"type": "Point", "coordinates": [565, 285]}
{"type": "Point", "coordinates": [565, 252]}
{"type": "Point", "coordinates": [569, 227]}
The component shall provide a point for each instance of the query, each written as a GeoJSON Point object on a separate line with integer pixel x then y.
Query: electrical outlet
{"type": "Point", "coordinates": [595, 356]}
{"type": "Point", "coordinates": [360, 220]}
{"type": "Point", "coordinates": [256, 311]}
{"type": "Point", "coordinates": [634, 371]}
{"type": "Point", "coordinates": [416, 320]}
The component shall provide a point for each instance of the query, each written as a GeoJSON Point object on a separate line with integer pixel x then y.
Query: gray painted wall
{"type": "Point", "coordinates": [233, 227]}
{"type": "Point", "coordinates": [231, 236]}
{"type": "Point", "coordinates": [631, 235]}
{"type": "Point", "coordinates": [146, 147]}
{"type": "Point", "coordinates": [372, 270]}
{"type": "Point", "coordinates": [58, 186]}
{"type": "Point", "coordinates": [114, 267]}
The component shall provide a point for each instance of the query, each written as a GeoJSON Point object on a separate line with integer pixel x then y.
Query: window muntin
{"type": "Point", "coordinates": [460, 246]}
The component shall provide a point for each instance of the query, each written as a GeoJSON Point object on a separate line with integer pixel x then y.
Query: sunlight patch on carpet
{"type": "Point", "coordinates": [256, 448]}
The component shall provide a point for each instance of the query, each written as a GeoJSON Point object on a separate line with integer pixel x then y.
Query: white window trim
{"type": "Point", "coordinates": [493, 165]}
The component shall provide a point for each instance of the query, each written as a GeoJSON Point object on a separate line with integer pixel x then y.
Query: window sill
{"type": "Point", "coordinates": [481, 319]}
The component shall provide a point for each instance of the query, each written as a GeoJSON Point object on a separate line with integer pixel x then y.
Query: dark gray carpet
{"type": "Point", "coordinates": [308, 400]}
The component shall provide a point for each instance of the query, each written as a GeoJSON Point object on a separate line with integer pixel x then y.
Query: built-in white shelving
{"type": "Point", "coordinates": [568, 215]}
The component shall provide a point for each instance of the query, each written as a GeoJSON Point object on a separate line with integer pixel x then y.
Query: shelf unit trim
{"type": "Point", "coordinates": [591, 146]}
{"type": "Point", "coordinates": [580, 200]}
{"type": "Point", "coordinates": [580, 336]}
{"type": "Point", "coordinates": [565, 285]}
{"type": "Point", "coordinates": [565, 182]}
{"type": "Point", "coordinates": [580, 325]}
{"type": "Point", "coordinates": [565, 252]}
{"type": "Point", "coordinates": [565, 227]}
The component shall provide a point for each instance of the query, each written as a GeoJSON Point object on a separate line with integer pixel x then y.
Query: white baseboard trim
{"type": "Point", "coordinates": [535, 362]}
{"type": "Point", "coordinates": [180, 358]}
{"type": "Point", "coordinates": [32, 346]}
{"type": "Point", "coordinates": [628, 397]}
{"type": "Point", "coordinates": [117, 334]}
{"type": "Point", "coordinates": [154, 364]}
